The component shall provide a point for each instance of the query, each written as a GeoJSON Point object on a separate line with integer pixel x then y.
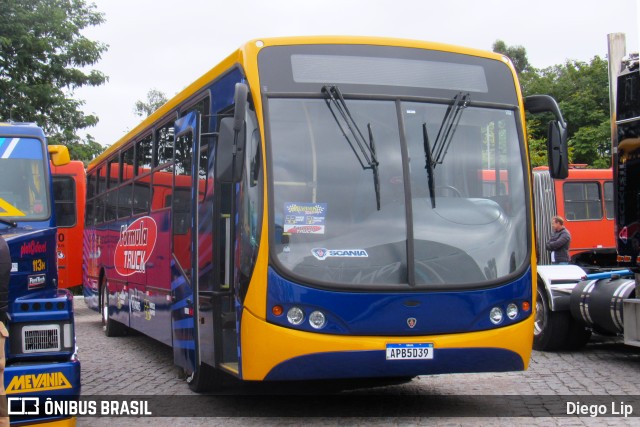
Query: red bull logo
{"type": "Point", "coordinates": [136, 244]}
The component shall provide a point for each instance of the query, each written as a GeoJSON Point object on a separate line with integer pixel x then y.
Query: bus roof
{"type": "Point", "coordinates": [251, 49]}
{"type": "Point", "coordinates": [581, 173]}
{"type": "Point", "coordinates": [21, 129]}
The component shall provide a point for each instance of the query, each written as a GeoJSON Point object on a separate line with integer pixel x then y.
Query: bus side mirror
{"type": "Point", "coordinates": [557, 150]}
{"type": "Point", "coordinates": [231, 139]}
{"type": "Point", "coordinates": [59, 155]}
{"type": "Point", "coordinates": [240, 101]}
{"type": "Point", "coordinates": [229, 152]}
{"type": "Point", "coordinates": [557, 147]}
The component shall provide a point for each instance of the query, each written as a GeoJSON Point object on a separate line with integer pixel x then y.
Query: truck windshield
{"type": "Point", "coordinates": [328, 230]}
{"type": "Point", "coordinates": [23, 187]}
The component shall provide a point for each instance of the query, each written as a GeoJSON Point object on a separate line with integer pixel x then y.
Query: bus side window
{"type": "Point", "coordinates": [140, 197]}
{"type": "Point", "coordinates": [113, 172]}
{"type": "Point", "coordinates": [163, 178]}
{"type": "Point", "coordinates": [99, 210]}
{"type": "Point", "coordinates": [102, 180]}
{"type": "Point", "coordinates": [110, 205]}
{"type": "Point", "coordinates": [64, 192]}
{"type": "Point", "coordinates": [144, 156]}
{"type": "Point", "coordinates": [125, 200]}
{"type": "Point", "coordinates": [582, 201]}
{"type": "Point", "coordinates": [608, 199]}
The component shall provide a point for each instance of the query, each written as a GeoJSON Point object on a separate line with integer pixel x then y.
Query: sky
{"type": "Point", "coordinates": [156, 44]}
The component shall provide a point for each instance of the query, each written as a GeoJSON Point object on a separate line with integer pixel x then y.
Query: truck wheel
{"type": "Point", "coordinates": [578, 335]}
{"type": "Point", "coordinates": [110, 327]}
{"type": "Point", "coordinates": [550, 328]}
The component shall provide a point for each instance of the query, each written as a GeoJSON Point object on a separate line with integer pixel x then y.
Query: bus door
{"type": "Point", "coordinates": [184, 198]}
{"type": "Point", "coordinates": [217, 328]}
{"type": "Point", "coordinates": [217, 322]}
{"type": "Point", "coordinates": [223, 295]}
{"type": "Point", "coordinates": [203, 310]}
{"type": "Point", "coordinates": [227, 165]}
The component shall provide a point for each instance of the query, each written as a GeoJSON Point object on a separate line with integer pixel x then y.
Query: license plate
{"type": "Point", "coordinates": [409, 351]}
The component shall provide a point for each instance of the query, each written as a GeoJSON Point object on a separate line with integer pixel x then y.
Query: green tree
{"type": "Point", "coordinates": [581, 90]}
{"type": "Point", "coordinates": [517, 54]}
{"type": "Point", "coordinates": [85, 150]}
{"type": "Point", "coordinates": [43, 59]}
{"type": "Point", "coordinates": [155, 100]}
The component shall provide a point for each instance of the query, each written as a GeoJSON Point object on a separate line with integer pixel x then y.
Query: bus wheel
{"type": "Point", "coordinates": [550, 328]}
{"type": "Point", "coordinates": [204, 378]}
{"type": "Point", "coordinates": [110, 327]}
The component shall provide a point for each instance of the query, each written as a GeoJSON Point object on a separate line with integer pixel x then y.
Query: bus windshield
{"type": "Point", "coordinates": [23, 187]}
{"type": "Point", "coordinates": [328, 229]}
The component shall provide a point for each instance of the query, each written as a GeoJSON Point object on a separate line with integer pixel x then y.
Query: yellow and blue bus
{"type": "Point", "coordinates": [313, 208]}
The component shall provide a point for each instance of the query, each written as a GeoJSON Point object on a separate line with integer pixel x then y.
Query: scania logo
{"type": "Point", "coordinates": [320, 253]}
{"type": "Point", "coordinates": [411, 322]}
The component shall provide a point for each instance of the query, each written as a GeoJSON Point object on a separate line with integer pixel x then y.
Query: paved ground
{"type": "Point", "coordinates": [605, 373]}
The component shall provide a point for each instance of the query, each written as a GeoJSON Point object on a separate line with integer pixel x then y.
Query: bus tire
{"type": "Point", "coordinates": [204, 378]}
{"type": "Point", "coordinates": [110, 327]}
{"type": "Point", "coordinates": [551, 328]}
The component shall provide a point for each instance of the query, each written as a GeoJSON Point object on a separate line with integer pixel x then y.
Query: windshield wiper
{"type": "Point", "coordinates": [429, 165]}
{"type": "Point", "coordinates": [447, 129]}
{"type": "Point", "coordinates": [365, 151]}
{"type": "Point", "coordinates": [10, 223]}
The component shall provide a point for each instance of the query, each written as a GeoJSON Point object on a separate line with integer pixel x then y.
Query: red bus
{"type": "Point", "coordinates": [69, 191]}
{"type": "Point", "coordinates": [585, 201]}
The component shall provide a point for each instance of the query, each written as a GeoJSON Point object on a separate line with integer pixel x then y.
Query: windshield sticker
{"type": "Point", "coordinates": [7, 209]}
{"type": "Point", "coordinates": [322, 253]}
{"type": "Point", "coordinates": [304, 218]}
{"type": "Point", "coordinates": [20, 148]}
{"type": "Point", "coordinates": [36, 281]}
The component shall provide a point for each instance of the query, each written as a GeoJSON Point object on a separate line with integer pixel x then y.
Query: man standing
{"type": "Point", "coordinates": [559, 241]}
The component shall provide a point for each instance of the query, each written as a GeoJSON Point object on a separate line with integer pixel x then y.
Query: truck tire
{"type": "Point", "coordinates": [550, 328]}
{"type": "Point", "coordinates": [578, 335]}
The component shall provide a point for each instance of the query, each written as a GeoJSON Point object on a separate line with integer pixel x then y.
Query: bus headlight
{"type": "Point", "coordinates": [317, 320]}
{"type": "Point", "coordinates": [495, 315]}
{"type": "Point", "coordinates": [512, 311]}
{"type": "Point", "coordinates": [295, 315]}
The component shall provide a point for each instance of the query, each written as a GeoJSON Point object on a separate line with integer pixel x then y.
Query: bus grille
{"type": "Point", "coordinates": [41, 338]}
